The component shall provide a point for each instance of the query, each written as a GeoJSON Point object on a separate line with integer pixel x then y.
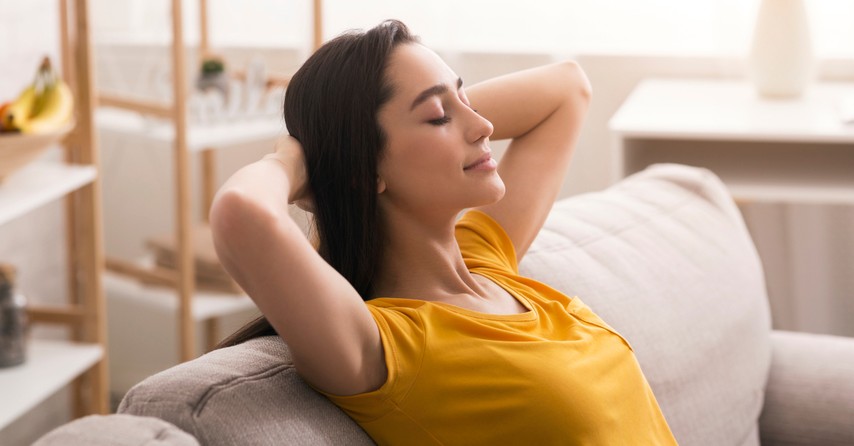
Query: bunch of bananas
{"type": "Point", "coordinates": [45, 106]}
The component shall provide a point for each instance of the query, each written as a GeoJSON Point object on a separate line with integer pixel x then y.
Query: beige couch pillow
{"type": "Point", "coordinates": [665, 258]}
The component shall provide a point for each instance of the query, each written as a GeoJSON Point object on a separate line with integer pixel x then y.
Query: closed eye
{"type": "Point", "coordinates": [441, 121]}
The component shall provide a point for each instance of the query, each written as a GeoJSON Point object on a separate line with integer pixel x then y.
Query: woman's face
{"type": "Point", "coordinates": [437, 156]}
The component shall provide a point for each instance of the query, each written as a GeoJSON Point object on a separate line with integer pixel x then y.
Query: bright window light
{"type": "Point", "coordinates": [667, 27]}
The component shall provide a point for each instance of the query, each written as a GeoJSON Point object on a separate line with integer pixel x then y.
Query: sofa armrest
{"type": "Point", "coordinates": [117, 430]}
{"type": "Point", "coordinates": [809, 399]}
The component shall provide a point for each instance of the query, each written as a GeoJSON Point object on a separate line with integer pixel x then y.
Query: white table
{"type": "Point", "coordinates": [792, 150]}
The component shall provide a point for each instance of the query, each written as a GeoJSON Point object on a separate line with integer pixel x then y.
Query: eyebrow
{"type": "Point", "coordinates": [433, 91]}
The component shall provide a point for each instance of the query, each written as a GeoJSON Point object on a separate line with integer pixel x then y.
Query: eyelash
{"type": "Point", "coordinates": [441, 121]}
{"type": "Point", "coordinates": [445, 119]}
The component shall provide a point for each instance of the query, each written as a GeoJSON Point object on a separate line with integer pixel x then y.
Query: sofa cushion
{"type": "Point", "coordinates": [117, 430]}
{"type": "Point", "coordinates": [246, 394]}
{"type": "Point", "coordinates": [665, 258]}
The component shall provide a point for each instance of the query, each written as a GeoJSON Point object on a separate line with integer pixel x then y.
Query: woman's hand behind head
{"type": "Point", "coordinates": [306, 203]}
{"type": "Point", "coordinates": [289, 153]}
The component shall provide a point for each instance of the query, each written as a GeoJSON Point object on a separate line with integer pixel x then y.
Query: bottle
{"type": "Point", "coordinates": [13, 319]}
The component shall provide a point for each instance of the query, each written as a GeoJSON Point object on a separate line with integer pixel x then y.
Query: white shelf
{"type": "Point", "coordinates": [731, 110]}
{"type": "Point", "coordinates": [50, 366]}
{"type": "Point", "coordinates": [123, 123]}
{"type": "Point", "coordinates": [783, 192]}
{"type": "Point", "coordinates": [206, 305]}
{"type": "Point", "coordinates": [38, 184]}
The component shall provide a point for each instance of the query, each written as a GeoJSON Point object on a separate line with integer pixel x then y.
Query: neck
{"type": "Point", "coordinates": [422, 260]}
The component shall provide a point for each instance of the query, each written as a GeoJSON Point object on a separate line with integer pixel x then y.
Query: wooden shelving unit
{"type": "Point", "coordinates": [51, 365]}
{"type": "Point", "coordinates": [127, 117]}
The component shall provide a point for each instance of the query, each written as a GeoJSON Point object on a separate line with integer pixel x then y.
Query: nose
{"type": "Point", "coordinates": [479, 127]}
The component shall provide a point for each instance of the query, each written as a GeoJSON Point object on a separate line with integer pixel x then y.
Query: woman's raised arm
{"type": "Point", "coordinates": [331, 334]}
{"type": "Point", "coordinates": [542, 110]}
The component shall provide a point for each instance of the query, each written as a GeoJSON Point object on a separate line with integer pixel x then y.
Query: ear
{"type": "Point", "coordinates": [381, 186]}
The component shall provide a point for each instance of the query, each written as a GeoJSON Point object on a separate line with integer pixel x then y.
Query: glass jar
{"type": "Point", "coordinates": [13, 320]}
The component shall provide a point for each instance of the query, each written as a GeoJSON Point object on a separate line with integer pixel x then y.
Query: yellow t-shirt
{"type": "Point", "coordinates": [556, 374]}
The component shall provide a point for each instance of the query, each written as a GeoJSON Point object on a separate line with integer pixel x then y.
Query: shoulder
{"type": "Point", "coordinates": [404, 339]}
{"type": "Point", "coordinates": [484, 242]}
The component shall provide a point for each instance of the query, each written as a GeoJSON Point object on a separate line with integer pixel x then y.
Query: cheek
{"type": "Point", "coordinates": [420, 171]}
{"type": "Point", "coordinates": [427, 152]}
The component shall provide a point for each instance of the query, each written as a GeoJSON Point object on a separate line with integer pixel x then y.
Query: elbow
{"type": "Point", "coordinates": [222, 215]}
{"type": "Point", "coordinates": [232, 213]}
{"type": "Point", "coordinates": [576, 84]}
{"type": "Point", "coordinates": [239, 220]}
{"type": "Point", "coordinates": [237, 223]}
{"type": "Point", "coordinates": [224, 218]}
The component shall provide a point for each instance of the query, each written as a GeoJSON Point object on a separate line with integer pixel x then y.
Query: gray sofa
{"type": "Point", "coordinates": [663, 256]}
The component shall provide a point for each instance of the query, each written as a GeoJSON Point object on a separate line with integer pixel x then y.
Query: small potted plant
{"type": "Point", "coordinates": [212, 75]}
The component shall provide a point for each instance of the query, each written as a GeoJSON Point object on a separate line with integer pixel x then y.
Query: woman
{"type": "Point", "coordinates": [418, 326]}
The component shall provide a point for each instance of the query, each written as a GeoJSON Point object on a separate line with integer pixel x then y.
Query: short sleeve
{"type": "Point", "coordinates": [402, 333]}
{"type": "Point", "coordinates": [484, 243]}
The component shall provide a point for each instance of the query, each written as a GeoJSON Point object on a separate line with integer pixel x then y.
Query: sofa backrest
{"type": "Point", "coordinates": [663, 257]}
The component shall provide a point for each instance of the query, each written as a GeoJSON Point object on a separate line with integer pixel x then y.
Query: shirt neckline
{"type": "Point", "coordinates": [531, 314]}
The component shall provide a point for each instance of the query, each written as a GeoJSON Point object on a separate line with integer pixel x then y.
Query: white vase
{"type": "Point", "coordinates": [781, 58]}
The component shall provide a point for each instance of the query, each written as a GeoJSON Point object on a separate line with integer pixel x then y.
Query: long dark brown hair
{"type": "Point", "coordinates": [331, 107]}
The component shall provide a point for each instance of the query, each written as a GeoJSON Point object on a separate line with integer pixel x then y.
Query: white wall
{"type": "Point", "coordinates": [660, 27]}
{"type": "Point", "coordinates": [34, 243]}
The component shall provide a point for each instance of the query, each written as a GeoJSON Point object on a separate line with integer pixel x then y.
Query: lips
{"type": "Point", "coordinates": [482, 161]}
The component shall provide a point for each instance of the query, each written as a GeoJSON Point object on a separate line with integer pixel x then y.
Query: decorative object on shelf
{"type": "Point", "coordinates": [44, 106]}
{"type": "Point", "coordinates": [41, 115]}
{"type": "Point", "coordinates": [781, 61]}
{"type": "Point", "coordinates": [255, 86]}
{"type": "Point", "coordinates": [210, 275]}
{"type": "Point", "coordinates": [241, 95]}
{"type": "Point", "coordinates": [213, 76]}
{"type": "Point", "coordinates": [13, 320]}
{"type": "Point", "coordinates": [222, 97]}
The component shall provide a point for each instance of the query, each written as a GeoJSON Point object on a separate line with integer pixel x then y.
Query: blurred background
{"type": "Point", "coordinates": [807, 249]}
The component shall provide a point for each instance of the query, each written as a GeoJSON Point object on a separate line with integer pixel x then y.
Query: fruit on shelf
{"type": "Point", "coordinates": [45, 106]}
{"type": "Point", "coordinates": [56, 111]}
{"type": "Point", "coordinates": [18, 111]}
{"type": "Point", "coordinates": [3, 108]}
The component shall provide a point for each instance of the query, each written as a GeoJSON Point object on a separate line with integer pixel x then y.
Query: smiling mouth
{"type": "Point", "coordinates": [480, 162]}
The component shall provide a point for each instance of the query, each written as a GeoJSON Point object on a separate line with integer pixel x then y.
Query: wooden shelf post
{"type": "Point", "coordinates": [184, 278]}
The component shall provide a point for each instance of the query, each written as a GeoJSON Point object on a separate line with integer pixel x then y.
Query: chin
{"type": "Point", "coordinates": [493, 192]}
